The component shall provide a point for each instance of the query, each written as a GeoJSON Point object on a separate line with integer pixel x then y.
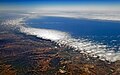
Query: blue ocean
{"type": "Point", "coordinates": [99, 31]}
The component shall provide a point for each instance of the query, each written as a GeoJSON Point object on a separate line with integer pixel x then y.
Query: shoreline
{"type": "Point", "coordinates": [22, 54]}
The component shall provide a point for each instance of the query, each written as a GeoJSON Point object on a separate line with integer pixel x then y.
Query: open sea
{"type": "Point", "coordinates": [99, 31]}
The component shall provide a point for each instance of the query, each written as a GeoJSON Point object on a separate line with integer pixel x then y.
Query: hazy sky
{"type": "Point", "coordinates": [33, 4]}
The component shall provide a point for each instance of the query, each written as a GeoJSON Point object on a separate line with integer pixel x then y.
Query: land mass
{"type": "Point", "coordinates": [22, 54]}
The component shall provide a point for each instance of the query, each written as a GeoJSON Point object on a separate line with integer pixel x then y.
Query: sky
{"type": "Point", "coordinates": [28, 4]}
{"type": "Point", "coordinates": [55, 2]}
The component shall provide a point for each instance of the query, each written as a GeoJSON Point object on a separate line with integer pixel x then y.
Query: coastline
{"type": "Point", "coordinates": [22, 54]}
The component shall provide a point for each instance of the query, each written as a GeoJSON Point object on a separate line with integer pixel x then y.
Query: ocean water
{"type": "Point", "coordinates": [77, 27]}
{"type": "Point", "coordinates": [99, 31]}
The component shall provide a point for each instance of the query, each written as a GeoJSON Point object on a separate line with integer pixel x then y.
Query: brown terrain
{"type": "Point", "coordinates": [22, 54]}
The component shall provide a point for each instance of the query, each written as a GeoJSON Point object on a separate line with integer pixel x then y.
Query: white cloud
{"type": "Point", "coordinates": [101, 13]}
